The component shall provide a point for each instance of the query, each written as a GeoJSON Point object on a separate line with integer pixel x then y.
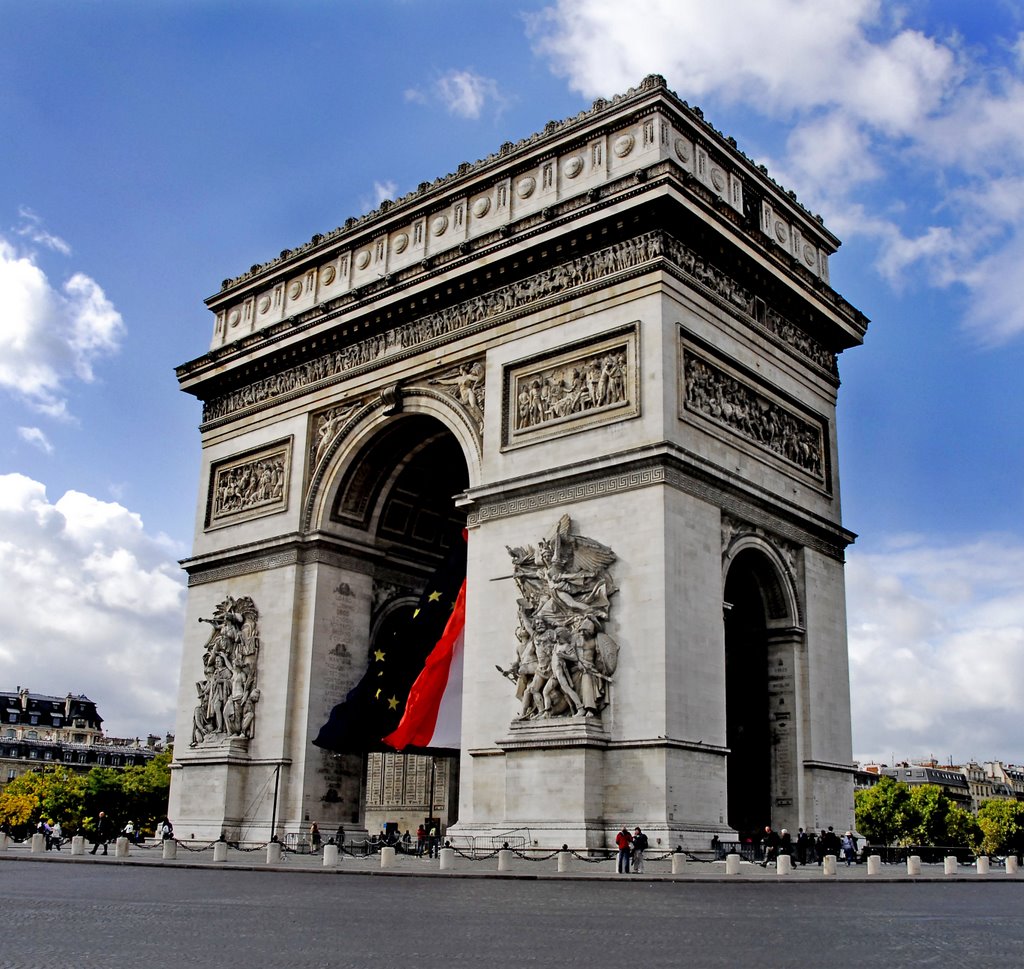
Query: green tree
{"type": "Point", "coordinates": [1002, 827]}
{"type": "Point", "coordinates": [962, 828]}
{"type": "Point", "coordinates": [880, 811]}
{"type": "Point", "coordinates": [925, 816]}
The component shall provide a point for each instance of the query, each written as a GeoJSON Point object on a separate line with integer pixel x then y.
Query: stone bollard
{"type": "Point", "coordinates": [169, 850]}
{"type": "Point", "coordinates": [1011, 864]}
{"type": "Point", "coordinates": [874, 864]}
{"type": "Point", "coordinates": [504, 859]}
{"type": "Point", "coordinates": [220, 851]}
{"type": "Point", "coordinates": [121, 848]}
{"type": "Point", "coordinates": [38, 843]}
{"type": "Point", "coordinates": [914, 865]}
{"type": "Point", "coordinates": [982, 864]}
{"type": "Point", "coordinates": [784, 865]}
{"type": "Point", "coordinates": [4, 841]}
{"type": "Point", "coordinates": [564, 861]}
{"type": "Point", "coordinates": [732, 864]}
{"type": "Point", "coordinates": [678, 862]}
{"type": "Point", "coordinates": [78, 845]}
{"type": "Point", "coordinates": [274, 853]}
{"type": "Point", "coordinates": [447, 858]}
{"type": "Point", "coordinates": [828, 865]}
{"type": "Point", "coordinates": [330, 856]}
{"type": "Point", "coordinates": [387, 857]}
{"type": "Point", "coordinates": [950, 865]}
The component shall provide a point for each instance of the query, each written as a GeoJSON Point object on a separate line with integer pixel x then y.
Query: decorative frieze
{"type": "Point", "coordinates": [250, 485]}
{"type": "Point", "coordinates": [487, 308]}
{"type": "Point", "coordinates": [750, 413]}
{"type": "Point", "coordinates": [583, 386]}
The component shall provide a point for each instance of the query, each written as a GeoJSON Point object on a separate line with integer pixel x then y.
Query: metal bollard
{"type": "Point", "coordinates": [784, 865]}
{"type": "Point", "coordinates": [564, 861]}
{"type": "Point", "coordinates": [121, 848]}
{"type": "Point", "coordinates": [387, 857]}
{"type": "Point", "coordinates": [274, 853]}
{"type": "Point", "coordinates": [504, 859]}
{"type": "Point", "coordinates": [220, 851]}
{"type": "Point", "coordinates": [874, 864]}
{"type": "Point", "coordinates": [950, 866]}
{"type": "Point", "coordinates": [330, 856]}
{"type": "Point", "coordinates": [732, 864]}
{"type": "Point", "coordinates": [828, 865]}
{"type": "Point", "coordinates": [914, 865]}
{"type": "Point", "coordinates": [38, 843]}
{"type": "Point", "coordinates": [169, 851]}
{"type": "Point", "coordinates": [447, 858]}
{"type": "Point", "coordinates": [78, 845]}
{"type": "Point", "coordinates": [982, 864]}
{"type": "Point", "coordinates": [1011, 864]}
{"type": "Point", "coordinates": [678, 863]}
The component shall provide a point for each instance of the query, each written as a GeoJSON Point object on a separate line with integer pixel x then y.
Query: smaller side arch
{"type": "Point", "coordinates": [775, 578]}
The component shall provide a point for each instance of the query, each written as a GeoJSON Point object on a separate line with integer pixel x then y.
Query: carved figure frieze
{"type": "Point", "coordinates": [227, 694]}
{"type": "Point", "coordinates": [552, 281]}
{"type": "Point", "coordinates": [723, 398]}
{"type": "Point", "coordinates": [327, 426]}
{"type": "Point", "coordinates": [254, 485]}
{"type": "Point", "coordinates": [734, 529]}
{"type": "Point", "coordinates": [466, 384]}
{"type": "Point", "coordinates": [565, 661]}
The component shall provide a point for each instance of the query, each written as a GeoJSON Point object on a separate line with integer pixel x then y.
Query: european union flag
{"type": "Point", "coordinates": [374, 706]}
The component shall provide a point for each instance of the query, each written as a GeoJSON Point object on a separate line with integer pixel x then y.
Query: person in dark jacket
{"type": "Point", "coordinates": [101, 833]}
{"type": "Point", "coordinates": [770, 841]}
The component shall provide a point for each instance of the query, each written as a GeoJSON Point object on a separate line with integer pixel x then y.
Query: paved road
{"type": "Point", "coordinates": [111, 916]}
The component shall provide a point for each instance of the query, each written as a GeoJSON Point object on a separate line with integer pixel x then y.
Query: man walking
{"type": "Point", "coordinates": [101, 833]}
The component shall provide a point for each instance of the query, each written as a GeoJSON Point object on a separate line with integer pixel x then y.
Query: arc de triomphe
{"type": "Point", "coordinates": [609, 352]}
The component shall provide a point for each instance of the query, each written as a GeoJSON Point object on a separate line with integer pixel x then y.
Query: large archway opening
{"type": "Point", "coordinates": [400, 491]}
{"type": "Point", "coordinates": [748, 726]}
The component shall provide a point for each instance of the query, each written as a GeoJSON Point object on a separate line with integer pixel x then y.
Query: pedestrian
{"type": "Point", "coordinates": [801, 846]}
{"type": "Point", "coordinates": [339, 838]}
{"type": "Point", "coordinates": [770, 841]}
{"type": "Point", "coordinates": [849, 849]}
{"type": "Point", "coordinates": [813, 856]}
{"type": "Point", "coordinates": [166, 829]}
{"type": "Point", "coordinates": [432, 845]}
{"type": "Point", "coordinates": [421, 840]}
{"type": "Point", "coordinates": [830, 843]}
{"type": "Point", "coordinates": [639, 847]}
{"type": "Point", "coordinates": [314, 837]}
{"type": "Point", "coordinates": [624, 842]}
{"type": "Point", "coordinates": [129, 831]}
{"type": "Point", "coordinates": [101, 833]}
{"type": "Point", "coordinates": [785, 843]}
{"type": "Point", "coordinates": [56, 835]}
{"type": "Point", "coordinates": [407, 842]}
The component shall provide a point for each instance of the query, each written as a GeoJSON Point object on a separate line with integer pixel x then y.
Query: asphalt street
{"type": "Point", "coordinates": [113, 916]}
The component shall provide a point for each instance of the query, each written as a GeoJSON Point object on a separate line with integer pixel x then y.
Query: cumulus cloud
{"type": "Point", "coordinates": [867, 99]}
{"type": "Point", "coordinates": [464, 93]}
{"type": "Point", "coordinates": [50, 335]}
{"type": "Point", "coordinates": [92, 603]}
{"type": "Point", "coordinates": [936, 637]}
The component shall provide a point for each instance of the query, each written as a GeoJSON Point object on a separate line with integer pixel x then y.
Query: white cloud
{"type": "Point", "coordinates": [92, 604]}
{"type": "Point", "coordinates": [937, 650]}
{"type": "Point", "coordinates": [32, 228]}
{"type": "Point", "coordinates": [465, 92]}
{"type": "Point", "coordinates": [35, 437]}
{"type": "Point", "coordinates": [383, 191]}
{"type": "Point", "coordinates": [872, 107]}
{"type": "Point", "coordinates": [50, 336]}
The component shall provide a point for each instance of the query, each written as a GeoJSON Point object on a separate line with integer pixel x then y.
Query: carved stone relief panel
{"type": "Point", "coordinates": [564, 661]}
{"type": "Point", "coordinates": [465, 384]}
{"type": "Point", "coordinates": [249, 485]}
{"type": "Point", "coordinates": [325, 428]}
{"type": "Point", "coordinates": [754, 414]}
{"type": "Point", "coordinates": [579, 387]}
{"type": "Point", "coordinates": [227, 693]}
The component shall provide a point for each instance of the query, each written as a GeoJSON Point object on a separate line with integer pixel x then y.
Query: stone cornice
{"type": "Point", "coordinates": [656, 465]}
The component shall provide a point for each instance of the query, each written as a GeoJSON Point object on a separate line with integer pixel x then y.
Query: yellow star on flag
{"type": "Point", "coordinates": [376, 695]}
{"type": "Point", "coordinates": [378, 655]}
{"type": "Point", "coordinates": [434, 596]}
{"type": "Point", "coordinates": [393, 703]}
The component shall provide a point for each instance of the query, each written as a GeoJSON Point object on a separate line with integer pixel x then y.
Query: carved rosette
{"type": "Point", "coordinates": [565, 661]}
{"type": "Point", "coordinates": [227, 694]}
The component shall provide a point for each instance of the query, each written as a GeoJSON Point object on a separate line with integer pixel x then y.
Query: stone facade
{"type": "Point", "coordinates": [621, 320]}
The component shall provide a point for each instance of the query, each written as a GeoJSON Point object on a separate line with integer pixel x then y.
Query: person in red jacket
{"type": "Point", "coordinates": [624, 842]}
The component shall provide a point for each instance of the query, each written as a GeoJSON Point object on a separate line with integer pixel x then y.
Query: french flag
{"type": "Point", "coordinates": [433, 712]}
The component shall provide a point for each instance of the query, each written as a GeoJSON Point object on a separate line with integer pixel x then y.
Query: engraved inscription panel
{"type": "Point", "coordinates": [752, 414]}
{"type": "Point", "coordinates": [249, 485]}
{"type": "Point", "coordinates": [579, 387]}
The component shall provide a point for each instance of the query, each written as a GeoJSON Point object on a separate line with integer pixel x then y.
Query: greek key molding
{"type": "Point", "coordinates": [573, 277]}
{"type": "Point", "coordinates": [249, 485]}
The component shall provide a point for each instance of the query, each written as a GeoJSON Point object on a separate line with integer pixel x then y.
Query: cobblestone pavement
{"type": "Point", "coordinates": [142, 913]}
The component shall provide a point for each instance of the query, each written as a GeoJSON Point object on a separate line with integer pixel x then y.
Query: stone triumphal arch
{"type": "Point", "coordinates": [607, 352]}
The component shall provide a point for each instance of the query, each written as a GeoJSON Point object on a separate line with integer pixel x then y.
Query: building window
{"type": "Point", "coordinates": [32, 735]}
{"type": "Point", "coordinates": [11, 773]}
{"type": "Point", "coordinates": [56, 721]}
{"type": "Point", "coordinates": [48, 755]}
{"type": "Point", "coordinates": [10, 733]}
{"type": "Point", "coordinates": [79, 738]}
{"type": "Point", "coordinates": [12, 718]}
{"type": "Point", "coordinates": [33, 718]}
{"type": "Point", "coordinates": [34, 754]}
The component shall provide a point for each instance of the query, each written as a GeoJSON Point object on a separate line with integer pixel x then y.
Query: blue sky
{"type": "Point", "coordinates": [150, 150]}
